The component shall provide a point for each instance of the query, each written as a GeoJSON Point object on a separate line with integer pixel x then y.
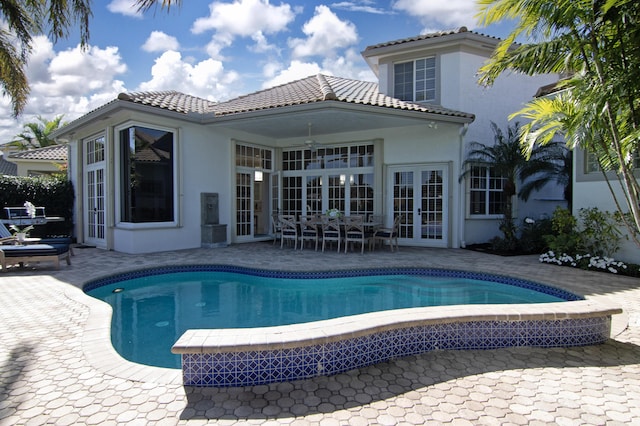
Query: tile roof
{"type": "Point", "coordinates": [7, 167]}
{"type": "Point", "coordinates": [51, 153]}
{"type": "Point", "coordinates": [320, 88]}
{"type": "Point", "coordinates": [317, 88]}
{"type": "Point", "coordinates": [433, 35]}
{"type": "Point", "coordinates": [170, 100]}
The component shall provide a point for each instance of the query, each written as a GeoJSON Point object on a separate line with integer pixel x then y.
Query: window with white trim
{"type": "Point", "coordinates": [146, 175]}
{"type": "Point", "coordinates": [415, 80]}
{"type": "Point", "coordinates": [486, 197]}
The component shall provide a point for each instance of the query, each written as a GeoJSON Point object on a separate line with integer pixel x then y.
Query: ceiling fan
{"type": "Point", "coordinates": [312, 144]}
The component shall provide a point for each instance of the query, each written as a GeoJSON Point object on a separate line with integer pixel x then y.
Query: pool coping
{"type": "Point", "coordinates": [101, 354]}
{"type": "Point", "coordinates": [337, 329]}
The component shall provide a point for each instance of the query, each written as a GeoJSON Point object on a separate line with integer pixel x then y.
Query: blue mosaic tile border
{"type": "Point", "coordinates": [262, 367]}
{"type": "Point", "coordinates": [426, 272]}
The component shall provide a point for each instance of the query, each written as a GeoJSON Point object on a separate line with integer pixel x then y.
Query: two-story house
{"type": "Point", "coordinates": [153, 169]}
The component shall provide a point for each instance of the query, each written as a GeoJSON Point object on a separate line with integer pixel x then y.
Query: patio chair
{"type": "Point", "coordinates": [276, 228]}
{"type": "Point", "coordinates": [331, 231]}
{"type": "Point", "coordinates": [289, 230]}
{"type": "Point", "coordinates": [389, 235]}
{"type": "Point", "coordinates": [354, 232]}
{"type": "Point", "coordinates": [309, 230]}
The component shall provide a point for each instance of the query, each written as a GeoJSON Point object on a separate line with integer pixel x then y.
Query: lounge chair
{"type": "Point", "coordinates": [7, 238]}
{"type": "Point", "coordinates": [21, 254]}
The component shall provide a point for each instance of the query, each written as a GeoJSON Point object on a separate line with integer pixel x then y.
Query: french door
{"type": "Point", "coordinates": [94, 211]}
{"type": "Point", "coordinates": [420, 194]}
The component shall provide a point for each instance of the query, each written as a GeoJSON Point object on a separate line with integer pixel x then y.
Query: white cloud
{"type": "Point", "coordinates": [295, 71]}
{"type": "Point", "coordinates": [443, 14]}
{"type": "Point", "coordinates": [70, 82]}
{"type": "Point", "coordinates": [244, 18]}
{"type": "Point", "coordinates": [206, 79]}
{"type": "Point", "coordinates": [124, 7]}
{"type": "Point", "coordinates": [325, 34]}
{"type": "Point", "coordinates": [160, 42]}
{"type": "Point", "coordinates": [367, 6]}
{"type": "Point", "coordinates": [262, 45]}
{"type": "Point", "coordinates": [349, 65]}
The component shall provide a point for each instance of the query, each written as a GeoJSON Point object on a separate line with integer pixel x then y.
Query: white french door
{"type": "Point", "coordinates": [419, 193]}
{"type": "Point", "coordinates": [94, 200]}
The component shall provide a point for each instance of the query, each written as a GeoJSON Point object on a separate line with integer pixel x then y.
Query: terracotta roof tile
{"type": "Point", "coordinates": [50, 153]}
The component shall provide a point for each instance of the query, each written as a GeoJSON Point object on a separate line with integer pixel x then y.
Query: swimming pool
{"type": "Point", "coordinates": [226, 346]}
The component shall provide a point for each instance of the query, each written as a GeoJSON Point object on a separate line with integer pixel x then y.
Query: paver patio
{"type": "Point", "coordinates": [47, 377]}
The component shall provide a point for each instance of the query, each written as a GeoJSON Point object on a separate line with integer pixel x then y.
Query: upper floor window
{"type": "Point", "coordinates": [146, 175]}
{"type": "Point", "coordinates": [592, 165]}
{"type": "Point", "coordinates": [415, 80]}
{"type": "Point", "coordinates": [485, 191]}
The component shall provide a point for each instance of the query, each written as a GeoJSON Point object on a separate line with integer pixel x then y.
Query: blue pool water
{"type": "Point", "coordinates": [152, 309]}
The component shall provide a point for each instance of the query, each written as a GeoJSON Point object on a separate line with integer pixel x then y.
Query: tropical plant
{"type": "Point", "coordinates": [25, 19]}
{"type": "Point", "coordinates": [597, 107]}
{"type": "Point", "coordinates": [36, 134]}
{"type": "Point", "coordinates": [506, 157]}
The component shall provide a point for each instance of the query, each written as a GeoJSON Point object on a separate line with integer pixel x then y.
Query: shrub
{"type": "Point", "coordinates": [54, 193]}
{"type": "Point", "coordinates": [532, 235]}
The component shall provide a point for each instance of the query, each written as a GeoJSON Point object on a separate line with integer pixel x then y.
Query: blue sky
{"type": "Point", "coordinates": [219, 49]}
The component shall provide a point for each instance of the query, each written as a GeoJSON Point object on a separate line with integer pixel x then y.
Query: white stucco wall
{"type": "Point", "coordinates": [460, 91]}
{"type": "Point", "coordinates": [588, 194]}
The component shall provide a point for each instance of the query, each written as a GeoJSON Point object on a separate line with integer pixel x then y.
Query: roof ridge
{"type": "Point", "coordinates": [327, 92]}
{"type": "Point", "coordinates": [129, 96]}
{"type": "Point", "coordinates": [430, 35]}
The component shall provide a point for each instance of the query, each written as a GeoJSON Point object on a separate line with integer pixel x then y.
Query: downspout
{"type": "Point", "coordinates": [462, 194]}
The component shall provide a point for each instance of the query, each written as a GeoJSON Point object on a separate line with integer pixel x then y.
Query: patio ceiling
{"type": "Point", "coordinates": [293, 122]}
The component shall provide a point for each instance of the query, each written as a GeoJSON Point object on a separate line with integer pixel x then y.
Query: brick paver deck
{"type": "Point", "coordinates": [46, 376]}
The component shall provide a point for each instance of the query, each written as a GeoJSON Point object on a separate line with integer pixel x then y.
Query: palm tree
{"type": "Point", "coordinates": [26, 19]}
{"type": "Point", "coordinates": [507, 159]}
{"type": "Point", "coordinates": [596, 44]}
{"type": "Point", "coordinates": [552, 165]}
{"type": "Point", "coordinates": [36, 135]}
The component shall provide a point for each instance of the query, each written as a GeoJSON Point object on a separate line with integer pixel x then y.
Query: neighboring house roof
{"type": "Point", "coordinates": [7, 167]}
{"type": "Point", "coordinates": [317, 88]}
{"type": "Point", "coordinates": [49, 153]}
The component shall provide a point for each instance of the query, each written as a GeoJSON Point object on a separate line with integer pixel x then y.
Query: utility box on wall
{"type": "Point", "coordinates": [213, 234]}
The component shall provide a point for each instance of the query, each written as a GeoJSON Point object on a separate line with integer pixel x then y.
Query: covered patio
{"type": "Point", "coordinates": [56, 369]}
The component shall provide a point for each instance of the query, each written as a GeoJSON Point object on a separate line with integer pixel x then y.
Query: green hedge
{"type": "Point", "coordinates": [54, 193]}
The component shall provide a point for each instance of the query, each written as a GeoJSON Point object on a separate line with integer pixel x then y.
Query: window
{"type": "Point", "coordinates": [486, 191]}
{"type": "Point", "coordinates": [146, 175]}
{"type": "Point", "coordinates": [415, 80]}
{"type": "Point", "coordinates": [336, 177]}
{"type": "Point", "coordinates": [591, 164]}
